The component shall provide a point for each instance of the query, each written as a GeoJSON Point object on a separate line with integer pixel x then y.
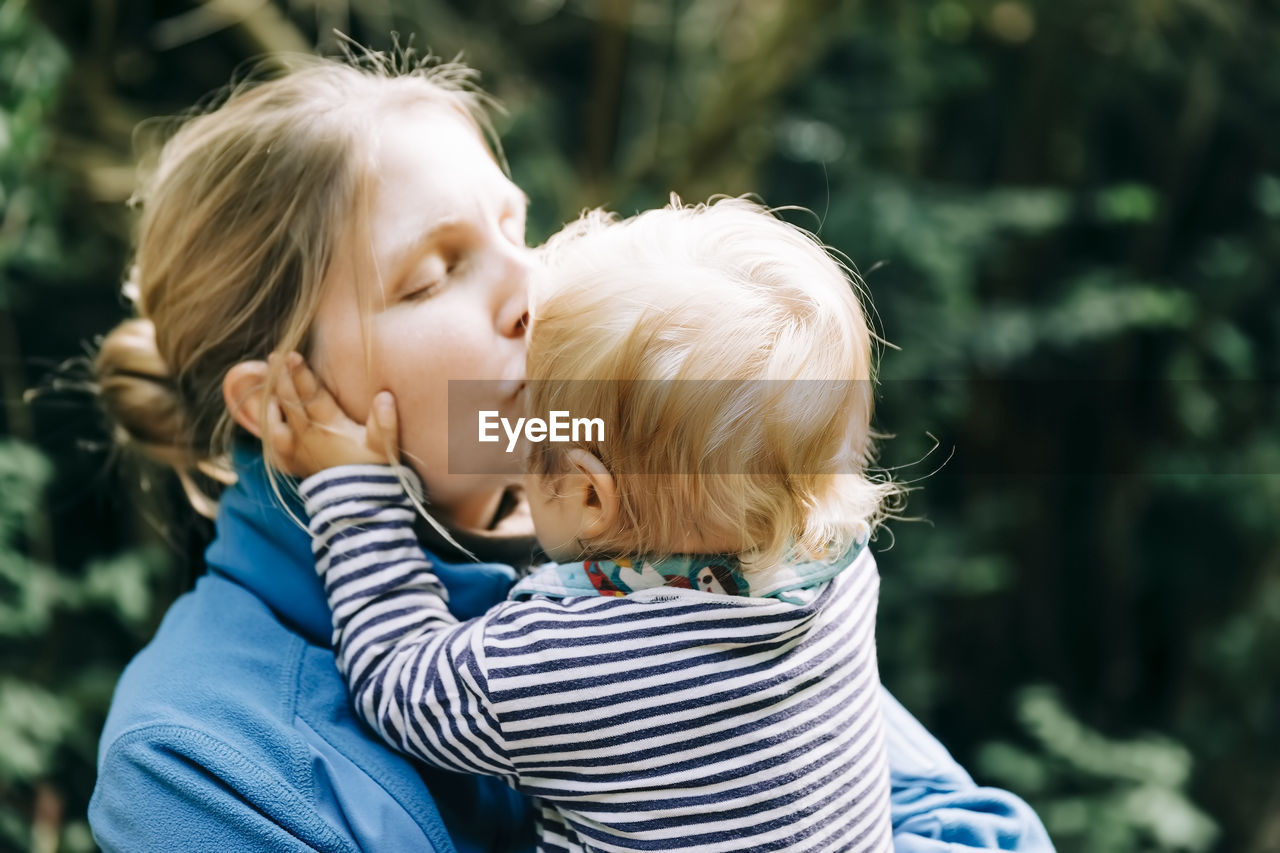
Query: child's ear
{"type": "Point", "coordinates": [594, 491]}
{"type": "Point", "coordinates": [244, 391]}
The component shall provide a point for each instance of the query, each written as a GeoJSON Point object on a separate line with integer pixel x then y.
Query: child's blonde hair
{"type": "Point", "coordinates": [240, 217]}
{"type": "Point", "coordinates": [730, 359]}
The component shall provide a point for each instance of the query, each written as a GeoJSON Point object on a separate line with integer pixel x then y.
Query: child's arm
{"type": "Point", "coordinates": [412, 668]}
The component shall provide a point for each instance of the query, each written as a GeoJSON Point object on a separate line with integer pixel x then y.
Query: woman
{"type": "Point", "coordinates": [360, 218]}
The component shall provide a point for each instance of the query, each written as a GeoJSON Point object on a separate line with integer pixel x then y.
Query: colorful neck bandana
{"type": "Point", "coordinates": [793, 582]}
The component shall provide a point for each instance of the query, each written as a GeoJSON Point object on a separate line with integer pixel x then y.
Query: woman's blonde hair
{"type": "Point", "coordinates": [240, 217]}
{"type": "Point", "coordinates": [728, 355]}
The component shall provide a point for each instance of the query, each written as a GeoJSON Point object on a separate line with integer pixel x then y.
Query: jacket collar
{"type": "Point", "coordinates": [261, 548]}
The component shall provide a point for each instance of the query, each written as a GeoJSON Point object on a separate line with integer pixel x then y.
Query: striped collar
{"type": "Point", "coordinates": [793, 582]}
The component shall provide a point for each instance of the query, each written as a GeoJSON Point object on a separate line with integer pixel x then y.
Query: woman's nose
{"type": "Point", "coordinates": [513, 314]}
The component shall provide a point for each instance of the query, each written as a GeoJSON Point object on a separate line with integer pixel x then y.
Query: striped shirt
{"type": "Point", "coordinates": [665, 719]}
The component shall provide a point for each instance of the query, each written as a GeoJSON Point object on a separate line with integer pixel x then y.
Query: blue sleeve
{"type": "Point", "coordinates": [937, 807]}
{"type": "Point", "coordinates": [169, 788]}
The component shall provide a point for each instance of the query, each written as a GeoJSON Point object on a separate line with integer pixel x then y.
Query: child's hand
{"type": "Point", "coordinates": [309, 431]}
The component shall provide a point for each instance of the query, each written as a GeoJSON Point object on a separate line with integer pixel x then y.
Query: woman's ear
{"type": "Point", "coordinates": [244, 390]}
{"type": "Point", "coordinates": [594, 491]}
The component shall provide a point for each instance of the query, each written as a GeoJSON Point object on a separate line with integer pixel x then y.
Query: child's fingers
{"type": "Point", "coordinates": [286, 390]}
{"type": "Point", "coordinates": [303, 379]}
{"type": "Point", "coordinates": [382, 428]}
{"type": "Point", "coordinates": [318, 403]}
{"type": "Point", "coordinates": [279, 434]}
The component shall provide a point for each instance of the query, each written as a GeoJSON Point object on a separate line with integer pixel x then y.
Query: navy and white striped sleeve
{"type": "Point", "coordinates": [413, 670]}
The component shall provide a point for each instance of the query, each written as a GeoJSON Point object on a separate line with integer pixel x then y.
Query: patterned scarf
{"type": "Point", "coordinates": [795, 582]}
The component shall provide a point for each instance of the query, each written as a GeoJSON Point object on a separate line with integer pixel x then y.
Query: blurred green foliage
{"type": "Point", "coordinates": [53, 696]}
{"type": "Point", "coordinates": [1067, 217]}
{"type": "Point", "coordinates": [32, 65]}
{"type": "Point", "coordinates": [1101, 793]}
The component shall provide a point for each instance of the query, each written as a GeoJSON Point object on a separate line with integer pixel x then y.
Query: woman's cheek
{"type": "Point", "coordinates": [423, 431]}
{"type": "Point", "coordinates": [346, 378]}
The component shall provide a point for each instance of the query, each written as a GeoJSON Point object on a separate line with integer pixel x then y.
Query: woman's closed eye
{"type": "Point", "coordinates": [422, 290]}
{"type": "Point", "coordinates": [426, 282]}
{"type": "Point", "coordinates": [430, 277]}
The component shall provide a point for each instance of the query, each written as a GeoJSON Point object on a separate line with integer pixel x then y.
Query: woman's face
{"type": "Point", "coordinates": [445, 296]}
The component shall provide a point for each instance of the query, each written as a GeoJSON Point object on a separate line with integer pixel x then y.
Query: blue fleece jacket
{"type": "Point", "coordinates": [232, 730]}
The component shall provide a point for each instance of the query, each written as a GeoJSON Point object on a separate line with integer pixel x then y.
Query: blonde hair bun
{"type": "Point", "coordinates": [138, 393]}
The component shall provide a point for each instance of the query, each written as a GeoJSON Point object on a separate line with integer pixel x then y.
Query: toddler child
{"type": "Point", "coordinates": [697, 670]}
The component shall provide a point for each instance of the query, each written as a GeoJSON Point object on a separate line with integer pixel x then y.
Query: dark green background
{"type": "Point", "coordinates": [1067, 215]}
